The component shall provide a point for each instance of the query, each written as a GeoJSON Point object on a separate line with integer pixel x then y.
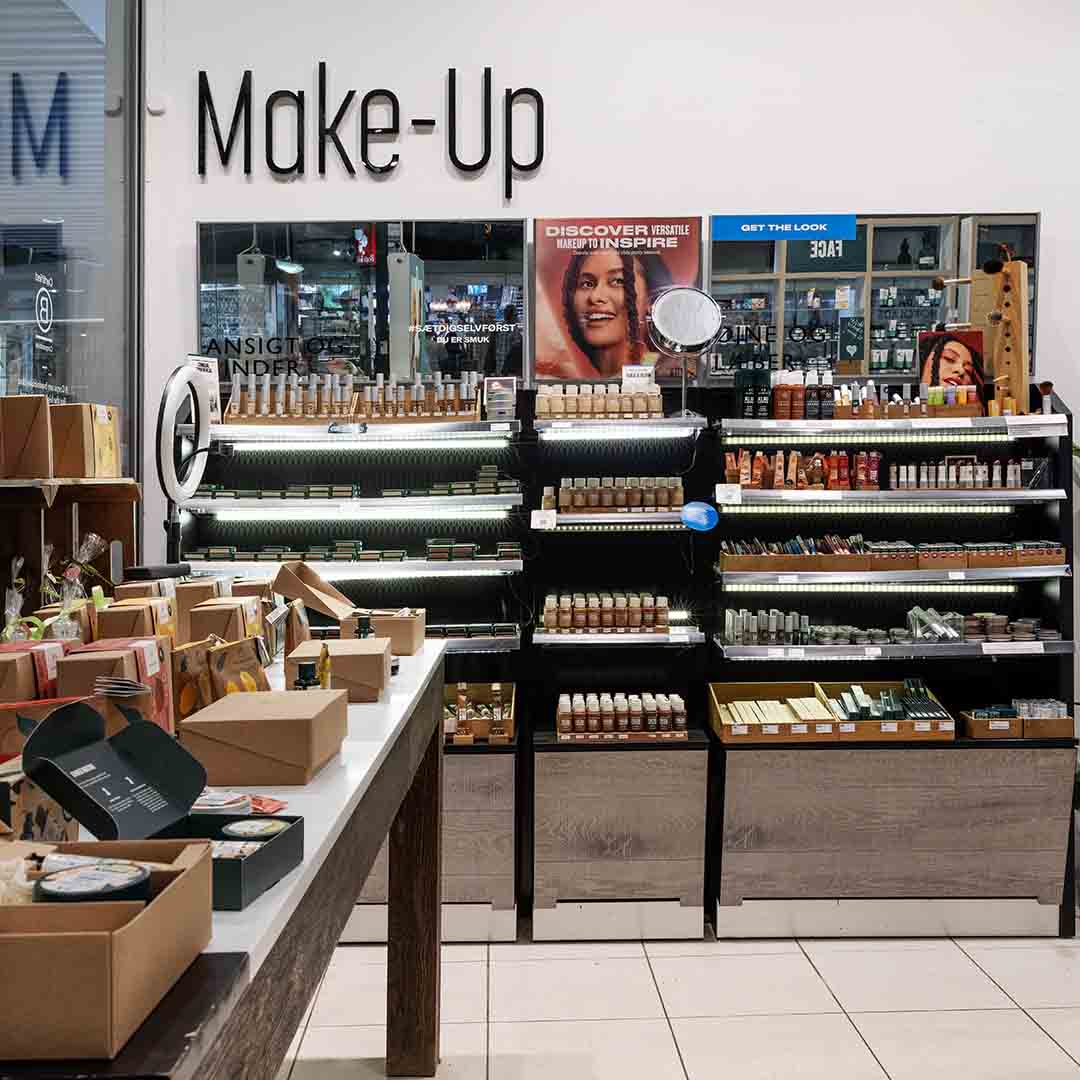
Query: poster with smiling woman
{"type": "Point", "coordinates": [596, 279]}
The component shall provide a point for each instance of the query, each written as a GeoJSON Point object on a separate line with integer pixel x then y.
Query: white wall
{"type": "Point", "coordinates": [676, 107]}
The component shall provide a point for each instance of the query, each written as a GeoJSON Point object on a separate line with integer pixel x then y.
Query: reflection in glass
{"type": "Point", "coordinates": [899, 309]}
{"type": "Point", "coordinates": [748, 331]}
{"type": "Point", "coordinates": [823, 322]}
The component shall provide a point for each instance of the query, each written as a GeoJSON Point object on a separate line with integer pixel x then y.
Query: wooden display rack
{"type": "Point", "coordinates": [481, 694]}
{"type": "Point", "coordinates": [350, 417]}
{"type": "Point", "coordinates": [606, 738]}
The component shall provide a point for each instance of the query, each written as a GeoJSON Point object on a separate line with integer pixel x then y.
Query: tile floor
{"type": "Point", "coordinates": [719, 1010]}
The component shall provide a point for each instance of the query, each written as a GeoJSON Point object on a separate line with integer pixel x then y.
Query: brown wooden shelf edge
{"type": "Point", "coordinates": [68, 490]}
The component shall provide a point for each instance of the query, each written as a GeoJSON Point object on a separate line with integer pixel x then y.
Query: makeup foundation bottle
{"type": "Point", "coordinates": [648, 612]}
{"type": "Point", "coordinates": [581, 613]}
{"type": "Point", "coordinates": [592, 493]}
{"type": "Point", "coordinates": [565, 715]}
{"type": "Point", "coordinates": [634, 621]}
{"type": "Point", "coordinates": [571, 401]}
{"type": "Point", "coordinates": [675, 493]}
{"type": "Point", "coordinates": [633, 492]}
{"type": "Point", "coordinates": [635, 712]}
{"type": "Point", "coordinates": [579, 713]}
{"type": "Point", "coordinates": [621, 613]}
{"type": "Point", "coordinates": [678, 713]}
{"type": "Point", "coordinates": [585, 401]}
{"type": "Point", "coordinates": [614, 403]}
{"type": "Point", "coordinates": [548, 500]}
{"type": "Point", "coordinates": [607, 614]}
{"type": "Point", "coordinates": [551, 614]}
{"type": "Point", "coordinates": [566, 495]}
{"type": "Point", "coordinates": [592, 713]}
{"type": "Point", "coordinates": [543, 402]}
{"type": "Point", "coordinates": [607, 713]}
{"type": "Point", "coordinates": [662, 615]}
{"type": "Point", "coordinates": [663, 493]}
{"type": "Point", "coordinates": [579, 493]}
{"type": "Point", "coordinates": [607, 493]}
{"type": "Point", "coordinates": [620, 493]}
{"type": "Point", "coordinates": [649, 708]}
{"type": "Point", "coordinates": [622, 713]}
{"type": "Point", "coordinates": [557, 403]}
{"type": "Point", "coordinates": [648, 493]}
{"type": "Point", "coordinates": [566, 613]}
{"type": "Point", "coordinates": [663, 712]}
{"type": "Point", "coordinates": [593, 613]}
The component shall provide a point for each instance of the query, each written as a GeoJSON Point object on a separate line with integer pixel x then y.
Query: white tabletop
{"type": "Point", "coordinates": [326, 804]}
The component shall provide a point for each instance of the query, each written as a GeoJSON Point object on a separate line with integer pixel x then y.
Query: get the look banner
{"type": "Point", "coordinates": [596, 279]}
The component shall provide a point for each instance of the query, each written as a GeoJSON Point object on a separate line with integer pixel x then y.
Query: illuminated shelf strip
{"type": "Point", "coordinates": [872, 587]}
{"type": "Point", "coordinates": [859, 438]}
{"type": "Point", "coordinates": [873, 500]}
{"type": "Point", "coordinates": [913, 651]}
{"type": "Point", "coordinates": [659, 521]}
{"type": "Point", "coordinates": [680, 635]}
{"type": "Point", "coordinates": [364, 571]}
{"type": "Point", "coordinates": [447, 507]}
{"type": "Point", "coordinates": [898, 577]}
{"type": "Point", "coordinates": [869, 508]}
{"type": "Point", "coordinates": [1037, 425]}
{"type": "Point", "coordinates": [671, 427]}
{"type": "Point", "coordinates": [482, 644]}
{"type": "Point", "coordinates": [346, 445]}
{"type": "Point", "coordinates": [295, 435]}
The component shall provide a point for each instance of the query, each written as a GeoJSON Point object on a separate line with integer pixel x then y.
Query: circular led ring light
{"type": "Point", "coordinates": [184, 383]}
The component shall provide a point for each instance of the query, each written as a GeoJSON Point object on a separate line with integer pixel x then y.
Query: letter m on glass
{"type": "Point", "coordinates": [56, 128]}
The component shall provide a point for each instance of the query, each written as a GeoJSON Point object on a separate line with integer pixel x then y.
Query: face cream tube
{"type": "Point", "coordinates": [250, 409]}
{"type": "Point", "coordinates": [279, 397]}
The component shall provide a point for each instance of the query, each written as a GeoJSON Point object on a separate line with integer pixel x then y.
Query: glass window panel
{"type": "Point", "coordinates": [743, 256]}
{"type": "Point", "coordinates": [824, 320]}
{"type": "Point", "coordinates": [747, 332]}
{"type": "Point", "coordinates": [828, 256]}
{"type": "Point", "coordinates": [899, 309]}
{"type": "Point", "coordinates": [909, 247]}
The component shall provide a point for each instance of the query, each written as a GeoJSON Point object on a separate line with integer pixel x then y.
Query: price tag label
{"type": "Point", "coordinates": [102, 413]}
{"type": "Point", "coordinates": [636, 377]}
{"type": "Point", "coordinates": [557, 424]}
{"type": "Point", "coordinates": [957, 575]}
{"type": "Point", "coordinates": [787, 579]}
{"type": "Point", "coordinates": [543, 519]}
{"type": "Point", "coordinates": [847, 728]}
{"type": "Point", "coordinates": [775, 654]}
{"type": "Point", "coordinates": [1000, 725]}
{"type": "Point", "coordinates": [922, 725]}
{"type": "Point", "coordinates": [150, 656]}
{"type": "Point", "coordinates": [1012, 648]}
{"type": "Point", "coordinates": [167, 587]}
{"type": "Point", "coordinates": [946, 725]}
{"type": "Point", "coordinates": [728, 495]}
{"type": "Point", "coordinates": [796, 652]}
{"type": "Point", "coordinates": [888, 726]}
{"type": "Point", "coordinates": [872, 652]}
{"type": "Point", "coordinates": [678, 635]}
{"type": "Point", "coordinates": [799, 729]}
{"type": "Point", "coordinates": [823, 729]}
{"type": "Point", "coordinates": [770, 729]}
{"type": "Point", "coordinates": [52, 651]}
{"type": "Point", "coordinates": [739, 729]}
{"type": "Point", "coordinates": [500, 427]}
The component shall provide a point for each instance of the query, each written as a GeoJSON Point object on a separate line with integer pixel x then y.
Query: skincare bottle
{"type": "Point", "coordinates": [251, 395]}
{"type": "Point", "coordinates": [607, 713]}
{"type": "Point", "coordinates": [417, 407]}
{"type": "Point", "coordinates": [323, 668]}
{"type": "Point", "coordinates": [585, 400]}
{"type": "Point", "coordinates": [234, 396]}
{"type": "Point", "coordinates": [290, 395]}
{"type": "Point", "coordinates": [592, 713]}
{"type": "Point", "coordinates": [279, 396]}
{"type": "Point", "coordinates": [622, 713]}
{"type": "Point", "coordinates": [565, 715]}
{"type": "Point", "coordinates": [566, 615]}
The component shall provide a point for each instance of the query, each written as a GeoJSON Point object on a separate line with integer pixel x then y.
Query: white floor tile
{"type": "Point", "coordinates": [376, 954]}
{"type": "Point", "coordinates": [824, 1047]}
{"type": "Point", "coordinates": [1017, 942]}
{"type": "Point", "coordinates": [928, 977]}
{"type": "Point", "coordinates": [1063, 1025]}
{"type": "Point", "coordinates": [568, 950]}
{"type": "Point", "coordinates": [875, 944]}
{"type": "Point", "coordinates": [354, 995]}
{"type": "Point", "coordinates": [584, 1050]}
{"type": "Point", "coordinates": [359, 1053]}
{"type": "Point", "coordinates": [1039, 977]}
{"type": "Point", "coordinates": [741, 985]}
{"type": "Point", "coordinates": [728, 947]}
{"type": "Point", "coordinates": [998, 1045]}
{"type": "Point", "coordinates": [606, 989]}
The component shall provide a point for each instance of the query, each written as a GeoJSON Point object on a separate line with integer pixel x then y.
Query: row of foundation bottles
{"type": "Point", "coordinates": [606, 613]}
{"type": "Point", "coordinates": [579, 713]}
{"type": "Point", "coordinates": [598, 399]}
{"type": "Point", "coordinates": [615, 493]}
{"type": "Point", "coordinates": [332, 395]}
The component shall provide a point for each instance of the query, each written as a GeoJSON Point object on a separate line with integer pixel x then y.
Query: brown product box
{"type": "Point", "coordinates": [405, 627]}
{"type": "Point", "coordinates": [998, 728]}
{"type": "Point", "coordinates": [30, 814]}
{"type": "Point", "coordinates": [132, 618]}
{"type": "Point", "coordinates": [1058, 727]}
{"type": "Point", "coordinates": [794, 732]}
{"type": "Point", "coordinates": [297, 581]}
{"type": "Point", "coordinates": [229, 618]}
{"type": "Point", "coordinates": [44, 655]}
{"type": "Point", "coordinates": [136, 590]}
{"type": "Point", "coordinates": [153, 664]}
{"type": "Point", "coordinates": [85, 440]}
{"type": "Point", "coordinates": [17, 680]}
{"type": "Point", "coordinates": [191, 679]}
{"type": "Point", "coordinates": [26, 437]}
{"type": "Point", "coordinates": [188, 595]}
{"type": "Point", "coordinates": [162, 613]}
{"type": "Point", "coordinates": [880, 731]}
{"type": "Point", "coordinates": [235, 668]}
{"type": "Point", "coordinates": [361, 666]}
{"type": "Point", "coordinates": [118, 960]}
{"type": "Point", "coordinates": [297, 627]}
{"type": "Point", "coordinates": [79, 670]}
{"type": "Point", "coordinates": [85, 616]}
{"type": "Point", "coordinates": [481, 694]}
{"type": "Point", "coordinates": [259, 587]}
{"type": "Point", "coordinates": [273, 738]}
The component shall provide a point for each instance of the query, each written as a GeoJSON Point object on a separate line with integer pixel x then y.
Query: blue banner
{"type": "Point", "coordinates": [783, 226]}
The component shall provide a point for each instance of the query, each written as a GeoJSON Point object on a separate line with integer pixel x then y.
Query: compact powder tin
{"type": "Point", "coordinates": [105, 880]}
{"type": "Point", "coordinates": [254, 828]}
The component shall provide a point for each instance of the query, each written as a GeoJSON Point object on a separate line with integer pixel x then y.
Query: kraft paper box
{"type": "Point", "coordinates": [191, 679]}
{"type": "Point", "coordinates": [360, 665]}
{"type": "Point", "coordinates": [235, 668]}
{"type": "Point", "coordinates": [188, 595]}
{"type": "Point", "coordinates": [405, 627]}
{"type": "Point", "coordinates": [86, 441]}
{"type": "Point", "coordinates": [26, 436]}
{"type": "Point", "coordinates": [162, 614]}
{"type": "Point", "coordinates": [125, 620]}
{"type": "Point", "coordinates": [260, 587]}
{"type": "Point", "coordinates": [17, 681]}
{"type": "Point", "coordinates": [297, 581]}
{"type": "Point", "coordinates": [153, 664]}
{"type": "Point", "coordinates": [273, 738]}
{"type": "Point", "coordinates": [85, 616]}
{"type": "Point", "coordinates": [136, 590]}
{"type": "Point", "coordinates": [229, 618]}
{"type": "Point", "coordinates": [90, 974]}
{"type": "Point", "coordinates": [79, 670]}
{"type": "Point", "coordinates": [44, 656]}
{"type": "Point", "coordinates": [297, 628]}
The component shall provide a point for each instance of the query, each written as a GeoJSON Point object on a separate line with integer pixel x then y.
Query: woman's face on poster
{"type": "Point", "coordinates": [955, 366]}
{"type": "Point", "coordinates": [600, 299]}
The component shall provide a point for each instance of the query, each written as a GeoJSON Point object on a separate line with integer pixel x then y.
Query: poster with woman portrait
{"type": "Point", "coordinates": [954, 358]}
{"type": "Point", "coordinates": [596, 279]}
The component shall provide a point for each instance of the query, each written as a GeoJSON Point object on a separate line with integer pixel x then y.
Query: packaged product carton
{"type": "Point", "coordinates": [405, 627]}
{"type": "Point", "coordinates": [188, 595]}
{"type": "Point", "coordinates": [29, 814]}
{"type": "Point", "coordinates": [44, 656]}
{"type": "Point", "coordinates": [235, 668]}
{"type": "Point", "coordinates": [260, 587]}
{"type": "Point", "coordinates": [360, 666]}
{"type": "Point", "coordinates": [90, 974]}
{"type": "Point", "coordinates": [86, 440]}
{"type": "Point", "coordinates": [297, 581]}
{"type": "Point", "coordinates": [78, 671]}
{"type": "Point", "coordinates": [85, 617]}
{"type": "Point", "coordinates": [73, 759]}
{"type": "Point", "coordinates": [191, 679]}
{"type": "Point", "coordinates": [17, 682]}
{"type": "Point", "coordinates": [136, 590]}
{"type": "Point", "coordinates": [26, 437]}
{"type": "Point", "coordinates": [297, 627]}
{"type": "Point", "coordinates": [162, 611]}
{"type": "Point", "coordinates": [271, 738]}
{"type": "Point", "coordinates": [229, 618]}
{"type": "Point", "coordinates": [153, 667]}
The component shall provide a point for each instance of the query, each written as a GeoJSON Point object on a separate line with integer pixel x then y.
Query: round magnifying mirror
{"type": "Point", "coordinates": [683, 321]}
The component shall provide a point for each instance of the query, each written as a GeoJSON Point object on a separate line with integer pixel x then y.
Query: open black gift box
{"type": "Point", "coordinates": [141, 784]}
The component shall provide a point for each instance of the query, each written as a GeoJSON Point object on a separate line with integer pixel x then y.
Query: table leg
{"type": "Point", "coordinates": [415, 922]}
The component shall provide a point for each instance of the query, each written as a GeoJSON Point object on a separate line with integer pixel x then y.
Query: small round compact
{"type": "Point", "coordinates": [105, 880]}
{"type": "Point", "coordinates": [256, 828]}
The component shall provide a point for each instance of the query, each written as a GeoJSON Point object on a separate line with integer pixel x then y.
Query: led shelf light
{"type": "Point", "coordinates": [330, 513]}
{"type": "Point", "coordinates": [347, 445]}
{"type": "Point", "coordinates": [370, 571]}
{"type": "Point", "coordinates": [866, 587]}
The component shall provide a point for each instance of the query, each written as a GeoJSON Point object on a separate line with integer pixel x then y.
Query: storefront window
{"type": "Point", "coordinates": [66, 215]}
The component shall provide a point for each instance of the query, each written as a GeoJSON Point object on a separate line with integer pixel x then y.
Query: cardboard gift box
{"type": "Point", "coordinates": [71, 756]}
{"type": "Point", "coordinates": [136, 590]}
{"type": "Point", "coordinates": [85, 616]}
{"type": "Point", "coordinates": [26, 437]}
{"type": "Point", "coordinates": [297, 627]}
{"type": "Point", "coordinates": [189, 594]}
{"type": "Point", "coordinates": [405, 627]}
{"type": "Point", "coordinates": [90, 974]}
{"type": "Point", "coordinates": [273, 738]}
{"type": "Point", "coordinates": [229, 618]}
{"type": "Point", "coordinates": [153, 666]}
{"type": "Point", "coordinates": [162, 610]}
{"type": "Point", "coordinates": [85, 440]}
{"type": "Point", "coordinates": [191, 679]}
{"type": "Point", "coordinates": [260, 587]}
{"type": "Point", "coordinates": [78, 671]}
{"type": "Point", "coordinates": [235, 668]}
{"type": "Point", "coordinates": [44, 656]}
{"type": "Point", "coordinates": [17, 681]}
{"type": "Point", "coordinates": [359, 665]}
{"type": "Point", "coordinates": [29, 814]}
{"type": "Point", "coordinates": [297, 581]}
